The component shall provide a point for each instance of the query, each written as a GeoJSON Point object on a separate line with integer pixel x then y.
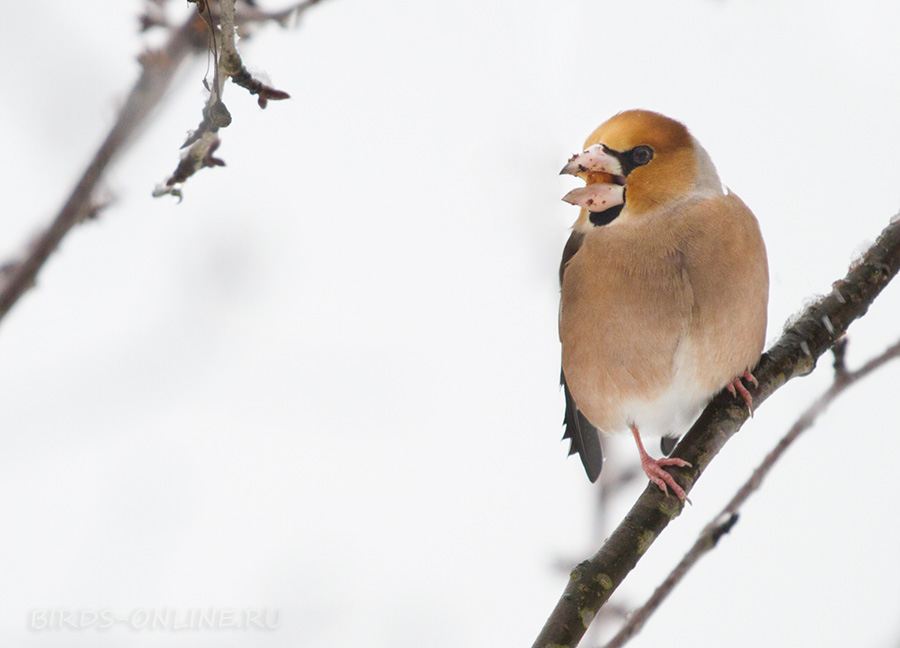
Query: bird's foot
{"type": "Point", "coordinates": [654, 470]}
{"type": "Point", "coordinates": [737, 387]}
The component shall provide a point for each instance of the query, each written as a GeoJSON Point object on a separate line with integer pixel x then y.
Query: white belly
{"type": "Point", "coordinates": [673, 410]}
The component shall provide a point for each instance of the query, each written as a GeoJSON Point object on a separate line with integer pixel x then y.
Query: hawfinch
{"type": "Point", "coordinates": [664, 289]}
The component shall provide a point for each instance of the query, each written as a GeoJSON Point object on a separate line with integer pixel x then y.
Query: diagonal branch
{"type": "Point", "coordinates": [158, 71]}
{"type": "Point", "coordinates": [593, 581]}
{"type": "Point", "coordinates": [159, 68]}
{"type": "Point", "coordinates": [728, 516]}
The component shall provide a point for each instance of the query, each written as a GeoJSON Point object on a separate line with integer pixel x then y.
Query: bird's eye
{"type": "Point", "coordinates": [641, 155]}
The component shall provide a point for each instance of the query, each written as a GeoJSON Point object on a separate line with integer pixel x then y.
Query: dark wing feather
{"type": "Point", "coordinates": [572, 246]}
{"type": "Point", "coordinates": [585, 438]}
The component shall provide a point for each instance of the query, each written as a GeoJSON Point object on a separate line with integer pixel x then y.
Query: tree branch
{"type": "Point", "coordinates": [159, 69]}
{"type": "Point", "coordinates": [202, 143]}
{"type": "Point", "coordinates": [593, 581]}
{"type": "Point", "coordinates": [234, 67]}
{"type": "Point", "coordinates": [727, 518]}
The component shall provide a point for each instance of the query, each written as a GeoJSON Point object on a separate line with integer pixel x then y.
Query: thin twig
{"type": "Point", "coordinates": [226, 7]}
{"type": "Point", "coordinates": [204, 140]}
{"type": "Point", "coordinates": [728, 516]}
{"type": "Point", "coordinates": [234, 66]}
{"type": "Point", "coordinates": [159, 67]}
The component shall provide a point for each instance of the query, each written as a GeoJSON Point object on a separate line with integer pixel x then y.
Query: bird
{"type": "Point", "coordinates": [664, 286]}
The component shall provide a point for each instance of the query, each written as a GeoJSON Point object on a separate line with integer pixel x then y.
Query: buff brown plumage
{"type": "Point", "coordinates": [664, 289]}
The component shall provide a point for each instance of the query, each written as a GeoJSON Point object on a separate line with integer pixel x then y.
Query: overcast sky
{"type": "Point", "coordinates": [325, 384]}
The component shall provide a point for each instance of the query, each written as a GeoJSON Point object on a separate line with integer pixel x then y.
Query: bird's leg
{"type": "Point", "coordinates": [654, 467]}
{"type": "Point", "coordinates": [737, 385]}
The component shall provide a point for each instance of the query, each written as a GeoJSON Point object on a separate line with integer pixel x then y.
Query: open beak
{"type": "Point", "coordinates": [603, 174]}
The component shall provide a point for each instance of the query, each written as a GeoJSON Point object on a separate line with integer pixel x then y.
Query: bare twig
{"type": "Point", "coordinates": [159, 67]}
{"type": "Point", "coordinates": [723, 522]}
{"type": "Point", "coordinates": [234, 66]}
{"type": "Point", "coordinates": [227, 23]}
{"type": "Point", "coordinates": [204, 140]}
{"type": "Point", "coordinates": [593, 581]}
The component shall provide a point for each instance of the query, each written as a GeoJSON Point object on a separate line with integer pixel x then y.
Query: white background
{"type": "Point", "coordinates": [326, 382]}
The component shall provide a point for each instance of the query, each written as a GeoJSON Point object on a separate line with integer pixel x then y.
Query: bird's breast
{"type": "Point", "coordinates": [660, 312]}
{"type": "Point", "coordinates": [626, 307]}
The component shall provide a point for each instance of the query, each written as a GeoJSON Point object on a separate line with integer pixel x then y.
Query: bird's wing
{"type": "Point", "coordinates": [725, 260]}
{"type": "Point", "coordinates": [585, 438]}
{"type": "Point", "coordinates": [572, 246]}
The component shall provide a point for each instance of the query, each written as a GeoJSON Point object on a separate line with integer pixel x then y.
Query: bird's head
{"type": "Point", "coordinates": [639, 159]}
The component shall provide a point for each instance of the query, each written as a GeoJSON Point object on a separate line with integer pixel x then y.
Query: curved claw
{"type": "Point", "coordinates": [737, 387]}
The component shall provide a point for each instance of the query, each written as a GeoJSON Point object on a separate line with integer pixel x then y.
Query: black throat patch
{"type": "Point", "coordinates": [605, 217]}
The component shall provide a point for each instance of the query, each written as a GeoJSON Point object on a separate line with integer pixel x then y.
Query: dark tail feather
{"type": "Point", "coordinates": [667, 444]}
{"type": "Point", "coordinates": [585, 438]}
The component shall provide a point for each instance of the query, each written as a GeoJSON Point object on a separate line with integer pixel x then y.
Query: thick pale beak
{"type": "Point", "coordinates": [603, 174]}
{"type": "Point", "coordinates": [596, 197]}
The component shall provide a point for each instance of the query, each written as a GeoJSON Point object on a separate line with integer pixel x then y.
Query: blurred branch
{"type": "Point", "coordinates": [158, 70]}
{"type": "Point", "coordinates": [728, 516]}
{"type": "Point", "coordinates": [593, 581]}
